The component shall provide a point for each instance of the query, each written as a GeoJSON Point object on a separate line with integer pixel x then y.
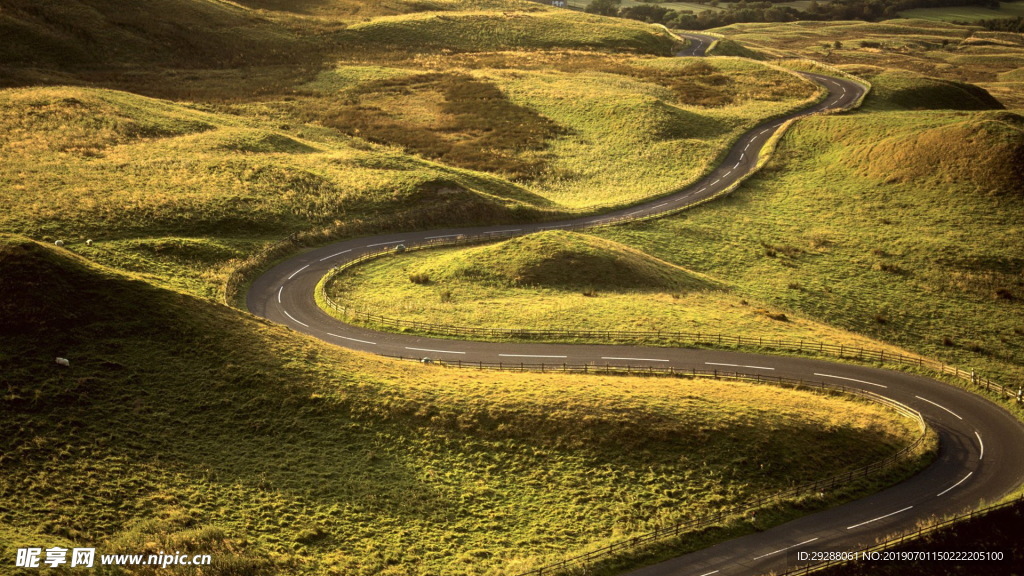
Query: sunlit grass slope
{"type": "Point", "coordinates": [582, 130]}
{"type": "Point", "coordinates": [282, 120]}
{"type": "Point", "coordinates": [185, 425]}
{"type": "Point", "coordinates": [902, 226]}
{"type": "Point", "coordinates": [365, 147]}
{"type": "Point", "coordinates": [493, 30]}
{"type": "Point", "coordinates": [126, 170]}
{"type": "Point", "coordinates": [354, 10]}
{"type": "Point", "coordinates": [932, 49]}
{"type": "Point", "coordinates": [564, 281]}
{"type": "Point", "coordinates": [558, 259]}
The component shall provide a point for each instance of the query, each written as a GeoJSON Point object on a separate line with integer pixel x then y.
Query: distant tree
{"type": "Point", "coordinates": [603, 7]}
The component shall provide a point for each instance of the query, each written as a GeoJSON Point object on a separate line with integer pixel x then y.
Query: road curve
{"type": "Point", "coordinates": [981, 445]}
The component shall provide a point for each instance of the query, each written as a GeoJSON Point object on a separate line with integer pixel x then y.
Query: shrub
{"type": "Point", "coordinates": [419, 278]}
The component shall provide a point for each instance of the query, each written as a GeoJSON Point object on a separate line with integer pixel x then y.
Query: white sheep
{"type": "Point", "coordinates": [63, 362]}
{"type": "Point", "coordinates": [88, 242]}
{"type": "Point", "coordinates": [59, 243]}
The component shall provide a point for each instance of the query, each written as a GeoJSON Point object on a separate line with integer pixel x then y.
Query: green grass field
{"type": "Point", "coordinates": [966, 13]}
{"type": "Point", "coordinates": [567, 281]}
{"type": "Point", "coordinates": [188, 136]}
{"type": "Point", "coordinates": [900, 226]}
{"type": "Point", "coordinates": [930, 48]}
{"type": "Point", "coordinates": [297, 457]}
{"type": "Point", "coordinates": [144, 177]}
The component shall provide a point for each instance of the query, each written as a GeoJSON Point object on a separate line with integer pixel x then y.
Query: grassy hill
{"type": "Point", "coordinates": [558, 259]}
{"type": "Point", "coordinates": [182, 424]}
{"type": "Point", "coordinates": [142, 177]}
{"type": "Point", "coordinates": [902, 226]}
{"type": "Point", "coordinates": [357, 148]}
{"type": "Point", "coordinates": [568, 281]}
{"type": "Point", "coordinates": [933, 49]}
{"type": "Point", "coordinates": [185, 135]}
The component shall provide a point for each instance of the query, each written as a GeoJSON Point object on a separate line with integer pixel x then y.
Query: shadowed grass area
{"type": "Point", "coordinates": [180, 422]}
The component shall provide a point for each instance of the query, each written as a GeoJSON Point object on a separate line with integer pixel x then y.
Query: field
{"type": "Point", "coordinates": [187, 137]}
{"type": "Point", "coordinates": [938, 50]}
{"type": "Point", "coordinates": [370, 131]}
{"type": "Point", "coordinates": [900, 226]}
{"type": "Point", "coordinates": [298, 457]}
{"type": "Point", "coordinates": [966, 13]}
{"type": "Point", "coordinates": [567, 281]}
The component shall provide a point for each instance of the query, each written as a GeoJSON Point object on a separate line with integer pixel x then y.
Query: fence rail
{"type": "Point", "coordinates": [817, 487]}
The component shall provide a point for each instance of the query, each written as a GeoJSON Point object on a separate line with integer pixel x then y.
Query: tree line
{"type": "Point", "coordinates": [743, 11]}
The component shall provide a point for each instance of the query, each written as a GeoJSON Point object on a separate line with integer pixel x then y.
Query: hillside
{"type": "Point", "coordinates": [184, 424]}
{"type": "Point", "coordinates": [485, 137]}
{"type": "Point", "coordinates": [904, 226]}
{"type": "Point", "coordinates": [934, 52]}
{"type": "Point", "coordinates": [560, 280]}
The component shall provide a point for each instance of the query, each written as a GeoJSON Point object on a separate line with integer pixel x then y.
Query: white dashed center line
{"type": "Point", "coordinates": [786, 548]}
{"type": "Point", "coordinates": [445, 236]}
{"type": "Point", "coordinates": [384, 243]}
{"type": "Point", "coordinates": [279, 291]}
{"type": "Point", "coordinates": [294, 319]}
{"type": "Point", "coordinates": [297, 271]}
{"type": "Point", "coordinates": [352, 339]}
{"type": "Point", "coordinates": [529, 356]}
{"type": "Point", "coordinates": [879, 518]}
{"type": "Point", "coordinates": [637, 359]}
{"type": "Point", "coordinates": [738, 366]}
{"type": "Point", "coordinates": [851, 380]}
{"type": "Point", "coordinates": [980, 444]}
{"type": "Point", "coordinates": [940, 406]}
{"type": "Point", "coordinates": [338, 254]}
{"type": "Point", "coordinates": [431, 350]}
{"type": "Point", "coordinates": [969, 474]}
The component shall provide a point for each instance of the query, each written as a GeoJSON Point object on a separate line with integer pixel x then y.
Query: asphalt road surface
{"type": "Point", "coordinates": [981, 454]}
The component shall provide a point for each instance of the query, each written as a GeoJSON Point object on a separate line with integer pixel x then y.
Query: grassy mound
{"type": "Point", "coordinates": [902, 90]}
{"type": "Point", "coordinates": [561, 259]}
{"type": "Point", "coordinates": [983, 152]}
{"type": "Point", "coordinates": [350, 10]}
{"type": "Point", "coordinates": [84, 121]}
{"type": "Point", "coordinates": [489, 31]}
{"type": "Point", "coordinates": [182, 423]}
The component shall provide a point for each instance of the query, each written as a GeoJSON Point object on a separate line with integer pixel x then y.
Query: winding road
{"type": "Point", "coordinates": [981, 455]}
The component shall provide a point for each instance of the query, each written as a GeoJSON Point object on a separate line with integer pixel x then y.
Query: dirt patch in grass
{"type": "Point", "coordinates": [453, 118]}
